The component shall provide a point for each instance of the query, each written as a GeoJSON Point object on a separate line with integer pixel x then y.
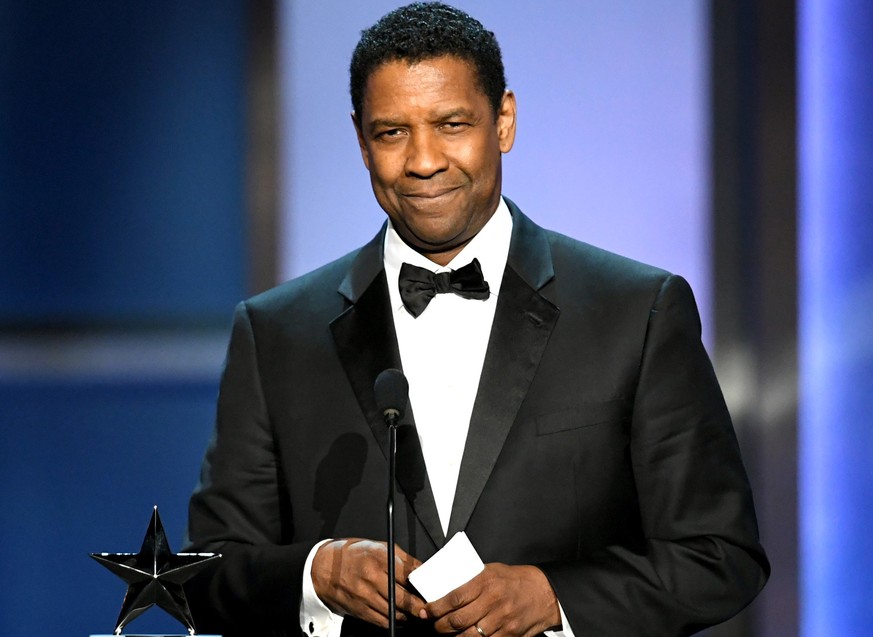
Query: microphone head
{"type": "Point", "coordinates": [392, 393]}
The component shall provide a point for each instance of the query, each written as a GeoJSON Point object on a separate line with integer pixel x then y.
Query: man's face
{"type": "Point", "coordinates": [430, 140]}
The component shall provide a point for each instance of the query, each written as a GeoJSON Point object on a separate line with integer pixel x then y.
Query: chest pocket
{"type": "Point", "coordinates": [584, 415]}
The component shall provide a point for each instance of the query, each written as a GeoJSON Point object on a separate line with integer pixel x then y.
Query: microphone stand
{"type": "Point", "coordinates": [392, 464]}
{"type": "Point", "coordinates": [391, 391]}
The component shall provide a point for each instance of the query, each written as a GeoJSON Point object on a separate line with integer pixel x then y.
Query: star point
{"type": "Point", "coordinates": [155, 576]}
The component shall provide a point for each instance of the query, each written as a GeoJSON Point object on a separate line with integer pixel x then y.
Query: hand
{"type": "Point", "coordinates": [351, 577]}
{"type": "Point", "coordinates": [504, 601]}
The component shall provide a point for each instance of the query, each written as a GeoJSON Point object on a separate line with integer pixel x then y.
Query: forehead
{"type": "Point", "coordinates": [433, 82]}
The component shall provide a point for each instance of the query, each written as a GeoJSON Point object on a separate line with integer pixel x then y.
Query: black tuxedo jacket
{"type": "Point", "coordinates": [599, 449]}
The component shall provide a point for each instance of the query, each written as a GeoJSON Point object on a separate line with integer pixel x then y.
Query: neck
{"type": "Point", "coordinates": [444, 257]}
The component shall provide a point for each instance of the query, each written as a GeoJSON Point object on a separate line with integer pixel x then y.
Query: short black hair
{"type": "Point", "coordinates": [423, 31]}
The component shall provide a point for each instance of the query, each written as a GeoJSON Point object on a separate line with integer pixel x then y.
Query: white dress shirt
{"type": "Point", "coordinates": [442, 353]}
{"type": "Point", "coordinates": [443, 350]}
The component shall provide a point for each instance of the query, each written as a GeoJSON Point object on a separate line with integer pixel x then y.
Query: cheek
{"type": "Point", "coordinates": [469, 158]}
{"type": "Point", "coordinates": [480, 161]}
{"type": "Point", "coordinates": [383, 171]}
{"type": "Point", "coordinates": [383, 190]}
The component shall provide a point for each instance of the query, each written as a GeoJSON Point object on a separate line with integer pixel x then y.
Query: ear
{"type": "Point", "coordinates": [365, 154]}
{"type": "Point", "coordinates": [506, 120]}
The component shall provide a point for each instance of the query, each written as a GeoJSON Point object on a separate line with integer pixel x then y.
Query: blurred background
{"type": "Point", "coordinates": [160, 161]}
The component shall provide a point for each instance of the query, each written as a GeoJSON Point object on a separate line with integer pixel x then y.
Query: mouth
{"type": "Point", "coordinates": [429, 194]}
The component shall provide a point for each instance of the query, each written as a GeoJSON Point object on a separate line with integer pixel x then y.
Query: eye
{"type": "Point", "coordinates": [390, 133]}
{"type": "Point", "coordinates": [453, 127]}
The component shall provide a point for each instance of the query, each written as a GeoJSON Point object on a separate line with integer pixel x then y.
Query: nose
{"type": "Point", "coordinates": [425, 156]}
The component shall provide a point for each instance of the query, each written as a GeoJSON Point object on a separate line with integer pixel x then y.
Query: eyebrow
{"type": "Point", "coordinates": [390, 122]}
{"type": "Point", "coordinates": [458, 112]}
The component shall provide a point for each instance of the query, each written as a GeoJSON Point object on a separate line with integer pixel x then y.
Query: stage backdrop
{"type": "Point", "coordinates": [122, 254]}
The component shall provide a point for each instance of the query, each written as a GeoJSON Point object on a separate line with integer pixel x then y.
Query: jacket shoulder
{"type": "Point", "coordinates": [548, 257]}
{"type": "Point", "coordinates": [312, 291]}
{"type": "Point", "coordinates": [599, 267]}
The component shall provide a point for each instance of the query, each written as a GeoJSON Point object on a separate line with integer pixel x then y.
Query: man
{"type": "Point", "coordinates": [566, 417]}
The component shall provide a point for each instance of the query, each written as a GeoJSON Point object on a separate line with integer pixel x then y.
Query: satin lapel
{"type": "Point", "coordinates": [523, 323]}
{"type": "Point", "coordinates": [366, 345]}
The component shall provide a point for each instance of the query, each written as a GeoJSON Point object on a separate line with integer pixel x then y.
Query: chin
{"type": "Point", "coordinates": [436, 241]}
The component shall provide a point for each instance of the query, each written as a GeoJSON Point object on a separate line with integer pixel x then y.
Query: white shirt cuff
{"type": "Point", "coordinates": [316, 619]}
{"type": "Point", "coordinates": [565, 631]}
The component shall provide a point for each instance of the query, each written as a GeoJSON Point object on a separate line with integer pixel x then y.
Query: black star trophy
{"type": "Point", "coordinates": [154, 576]}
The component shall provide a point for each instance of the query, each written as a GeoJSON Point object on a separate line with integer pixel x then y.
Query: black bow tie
{"type": "Point", "coordinates": [419, 285]}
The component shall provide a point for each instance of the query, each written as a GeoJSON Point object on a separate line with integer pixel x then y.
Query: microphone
{"type": "Point", "coordinates": [392, 394]}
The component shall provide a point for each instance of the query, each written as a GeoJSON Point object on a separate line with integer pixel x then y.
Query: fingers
{"type": "Point", "coordinates": [404, 564]}
{"type": "Point", "coordinates": [459, 610]}
{"type": "Point", "coordinates": [405, 600]}
{"type": "Point", "coordinates": [463, 607]}
{"type": "Point", "coordinates": [502, 601]}
{"type": "Point", "coordinates": [477, 630]}
{"type": "Point", "coordinates": [351, 577]}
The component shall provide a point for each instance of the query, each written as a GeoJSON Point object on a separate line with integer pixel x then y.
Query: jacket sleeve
{"type": "Point", "coordinates": [701, 562]}
{"type": "Point", "coordinates": [240, 509]}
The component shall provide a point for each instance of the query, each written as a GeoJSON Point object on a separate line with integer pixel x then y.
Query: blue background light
{"type": "Point", "coordinates": [836, 316]}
